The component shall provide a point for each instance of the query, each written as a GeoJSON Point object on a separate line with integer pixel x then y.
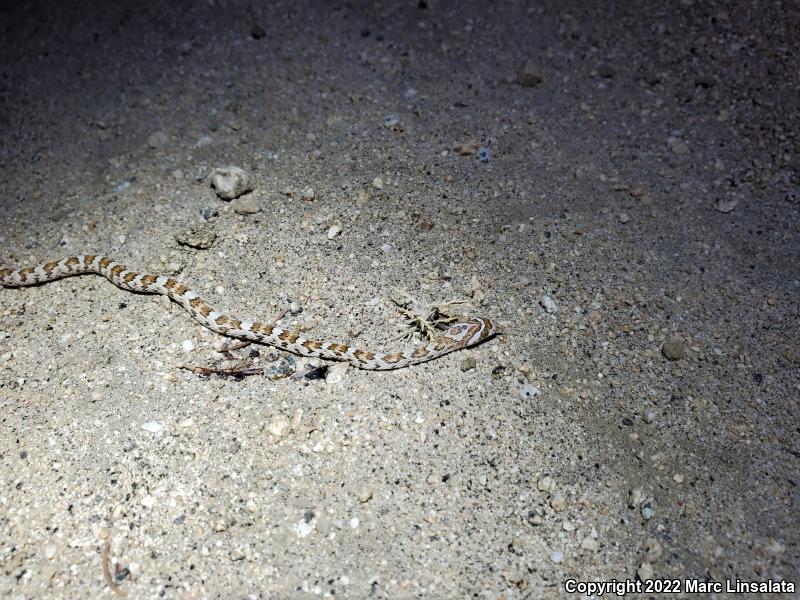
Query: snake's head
{"type": "Point", "coordinates": [470, 332]}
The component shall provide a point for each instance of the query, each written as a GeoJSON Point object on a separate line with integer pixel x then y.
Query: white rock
{"type": "Point", "coordinates": [308, 194]}
{"type": "Point", "coordinates": [527, 390]}
{"type": "Point", "coordinates": [645, 571]}
{"type": "Point", "coordinates": [725, 206]}
{"type": "Point", "coordinates": [546, 484]}
{"type": "Point", "coordinates": [279, 428]}
{"type": "Point", "coordinates": [157, 139]}
{"type": "Point", "coordinates": [391, 120]}
{"type": "Point", "coordinates": [50, 551]}
{"type": "Point", "coordinates": [364, 493]}
{"type": "Point", "coordinates": [591, 544]}
{"type": "Point", "coordinates": [336, 373]}
{"type": "Point", "coordinates": [230, 182]}
{"type": "Point", "coordinates": [558, 502]}
{"type": "Point", "coordinates": [187, 345]}
{"type": "Point", "coordinates": [677, 145]}
{"type": "Point", "coordinates": [557, 556]}
{"type": "Point", "coordinates": [304, 529]}
{"type": "Point", "coordinates": [548, 304]}
{"type": "Point", "coordinates": [152, 426]}
{"type": "Point", "coordinates": [773, 548]}
{"type": "Point", "coordinates": [148, 501]}
{"type": "Point", "coordinates": [648, 509]}
{"type": "Point", "coordinates": [636, 497]}
{"type": "Point", "coordinates": [333, 232]}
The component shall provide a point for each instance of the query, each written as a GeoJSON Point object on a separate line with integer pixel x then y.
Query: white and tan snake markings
{"type": "Point", "coordinates": [462, 333]}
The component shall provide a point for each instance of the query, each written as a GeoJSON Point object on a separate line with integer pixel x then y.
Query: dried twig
{"type": "Point", "coordinates": [107, 572]}
{"type": "Point", "coordinates": [223, 371]}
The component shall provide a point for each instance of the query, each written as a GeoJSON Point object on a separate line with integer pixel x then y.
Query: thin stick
{"type": "Point", "coordinates": [107, 572]}
{"type": "Point", "coordinates": [223, 371]}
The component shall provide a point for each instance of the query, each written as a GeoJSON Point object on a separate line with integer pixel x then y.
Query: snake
{"type": "Point", "coordinates": [461, 333]}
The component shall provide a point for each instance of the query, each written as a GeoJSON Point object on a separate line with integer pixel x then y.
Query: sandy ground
{"type": "Point", "coordinates": [640, 169]}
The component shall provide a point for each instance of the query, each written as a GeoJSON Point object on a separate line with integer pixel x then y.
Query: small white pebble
{"type": "Point", "coordinates": [152, 426]}
{"type": "Point", "coordinates": [336, 373]}
{"type": "Point", "coordinates": [773, 548]}
{"type": "Point", "coordinates": [148, 501]}
{"type": "Point", "coordinates": [230, 182]}
{"type": "Point", "coordinates": [548, 304]}
{"type": "Point", "coordinates": [558, 502]}
{"type": "Point", "coordinates": [364, 493]}
{"type": "Point", "coordinates": [279, 427]}
{"type": "Point", "coordinates": [308, 194]}
{"type": "Point", "coordinates": [188, 422]}
{"type": "Point", "coordinates": [546, 484]}
{"type": "Point", "coordinates": [527, 390]}
{"type": "Point", "coordinates": [591, 544]}
{"type": "Point", "coordinates": [648, 509]}
{"type": "Point", "coordinates": [333, 232]}
{"type": "Point", "coordinates": [557, 556]}
{"type": "Point", "coordinates": [354, 523]}
{"type": "Point", "coordinates": [304, 529]}
{"type": "Point", "coordinates": [624, 218]}
{"type": "Point", "coordinates": [636, 497]}
{"type": "Point", "coordinates": [391, 120]}
{"type": "Point", "coordinates": [187, 345]}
